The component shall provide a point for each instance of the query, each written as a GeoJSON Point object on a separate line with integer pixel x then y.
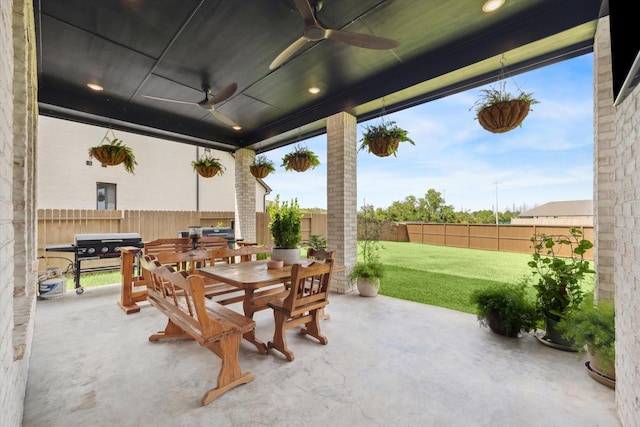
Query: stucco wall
{"type": "Point", "coordinates": [66, 181]}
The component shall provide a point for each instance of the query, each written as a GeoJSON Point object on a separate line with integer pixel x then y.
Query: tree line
{"type": "Point", "coordinates": [433, 208]}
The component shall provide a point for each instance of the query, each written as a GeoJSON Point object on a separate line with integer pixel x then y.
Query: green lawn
{"type": "Point", "coordinates": [429, 274]}
{"type": "Point", "coordinates": [446, 276]}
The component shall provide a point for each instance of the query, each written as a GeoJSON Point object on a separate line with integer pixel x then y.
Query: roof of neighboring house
{"type": "Point", "coordinates": [561, 209]}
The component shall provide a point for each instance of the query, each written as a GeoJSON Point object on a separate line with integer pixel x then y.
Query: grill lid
{"type": "Point", "coordinates": [88, 239]}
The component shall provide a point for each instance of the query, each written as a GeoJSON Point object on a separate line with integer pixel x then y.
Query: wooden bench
{"type": "Point", "coordinates": [133, 288]}
{"type": "Point", "coordinates": [181, 297]}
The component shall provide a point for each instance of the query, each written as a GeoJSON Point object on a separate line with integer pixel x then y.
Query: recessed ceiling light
{"type": "Point", "coordinates": [95, 86]}
{"type": "Point", "coordinates": [237, 127]}
{"type": "Point", "coordinates": [492, 5]}
{"type": "Point", "coordinates": [314, 90]}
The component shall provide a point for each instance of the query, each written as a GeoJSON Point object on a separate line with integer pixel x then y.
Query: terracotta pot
{"type": "Point", "coordinates": [503, 116]}
{"type": "Point", "coordinates": [106, 156]}
{"type": "Point", "coordinates": [299, 164]}
{"type": "Point", "coordinates": [259, 171]}
{"type": "Point", "coordinates": [207, 171]}
{"type": "Point", "coordinates": [380, 146]}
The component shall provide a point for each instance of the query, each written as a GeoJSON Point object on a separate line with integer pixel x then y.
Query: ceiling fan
{"type": "Point", "coordinates": [314, 30]}
{"type": "Point", "coordinates": [209, 101]}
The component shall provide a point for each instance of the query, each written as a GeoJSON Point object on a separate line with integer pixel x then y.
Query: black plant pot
{"type": "Point", "coordinates": [499, 327]}
{"type": "Point", "coordinates": [553, 337]}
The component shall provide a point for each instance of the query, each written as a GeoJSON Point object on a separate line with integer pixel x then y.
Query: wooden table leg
{"type": "Point", "coordinates": [247, 306]}
{"type": "Point", "coordinates": [128, 298]}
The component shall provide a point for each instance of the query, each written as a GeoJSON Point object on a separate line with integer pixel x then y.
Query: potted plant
{"type": "Point", "coordinates": [592, 328]}
{"type": "Point", "coordinates": [113, 153]}
{"type": "Point", "coordinates": [500, 111]}
{"type": "Point", "coordinates": [300, 159]}
{"type": "Point", "coordinates": [558, 287]}
{"type": "Point", "coordinates": [384, 138]}
{"type": "Point", "coordinates": [368, 272]}
{"type": "Point", "coordinates": [506, 310]}
{"type": "Point", "coordinates": [262, 166]}
{"type": "Point", "coordinates": [285, 227]}
{"type": "Point", "coordinates": [208, 166]}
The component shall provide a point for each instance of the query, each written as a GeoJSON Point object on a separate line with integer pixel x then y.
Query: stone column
{"type": "Point", "coordinates": [245, 224]}
{"type": "Point", "coordinates": [603, 162]}
{"type": "Point", "coordinates": [342, 195]}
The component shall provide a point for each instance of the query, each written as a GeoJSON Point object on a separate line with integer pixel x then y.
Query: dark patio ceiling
{"type": "Point", "coordinates": [172, 48]}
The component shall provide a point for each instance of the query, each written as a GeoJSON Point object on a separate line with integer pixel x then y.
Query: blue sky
{"type": "Point", "coordinates": [549, 158]}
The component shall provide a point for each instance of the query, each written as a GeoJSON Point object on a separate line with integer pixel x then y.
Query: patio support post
{"type": "Point", "coordinates": [245, 223]}
{"type": "Point", "coordinates": [342, 224]}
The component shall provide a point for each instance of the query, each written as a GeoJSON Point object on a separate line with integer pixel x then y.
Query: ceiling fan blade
{"type": "Point", "coordinates": [224, 119]}
{"type": "Point", "coordinates": [170, 100]}
{"type": "Point", "coordinates": [304, 8]}
{"type": "Point", "coordinates": [288, 52]}
{"type": "Point", "coordinates": [361, 40]}
{"type": "Point", "coordinates": [224, 94]}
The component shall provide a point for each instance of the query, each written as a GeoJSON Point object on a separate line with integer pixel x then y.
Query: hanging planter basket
{"type": "Point", "coordinates": [299, 164]}
{"type": "Point", "coordinates": [107, 156]}
{"type": "Point", "coordinates": [207, 171]}
{"type": "Point", "coordinates": [503, 116]}
{"type": "Point", "coordinates": [384, 146]}
{"type": "Point", "coordinates": [259, 171]}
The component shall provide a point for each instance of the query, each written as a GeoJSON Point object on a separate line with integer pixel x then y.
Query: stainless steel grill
{"type": "Point", "coordinates": [224, 232]}
{"type": "Point", "coordinates": [95, 247]}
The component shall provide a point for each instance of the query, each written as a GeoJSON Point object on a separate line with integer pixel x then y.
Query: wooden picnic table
{"type": "Point", "coordinates": [260, 285]}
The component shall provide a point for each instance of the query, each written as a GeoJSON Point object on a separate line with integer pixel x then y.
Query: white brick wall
{"type": "Point", "coordinates": [18, 114]}
{"type": "Point", "coordinates": [342, 194]}
{"type": "Point", "coordinates": [603, 160]}
{"type": "Point", "coordinates": [617, 221]}
{"type": "Point", "coordinates": [246, 196]}
{"type": "Point", "coordinates": [63, 147]}
{"type": "Point", "coordinates": [626, 262]}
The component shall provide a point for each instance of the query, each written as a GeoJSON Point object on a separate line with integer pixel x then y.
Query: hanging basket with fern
{"type": "Point", "coordinates": [113, 153]}
{"type": "Point", "coordinates": [300, 159]}
{"type": "Point", "coordinates": [208, 166]}
{"type": "Point", "coordinates": [383, 139]}
{"type": "Point", "coordinates": [262, 166]}
{"type": "Point", "coordinates": [503, 116]}
{"type": "Point", "coordinates": [499, 110]}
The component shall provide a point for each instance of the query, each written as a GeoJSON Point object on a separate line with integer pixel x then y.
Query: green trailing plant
{"type": "Point", "coordinates": [207, 159]}
{"type": "Point", "coordinates": [506, 310]}
{"type": "Point", "coordinates": [300, 151]}
{"type": "Point", "coordinates": [384, 130]}
{"type": "Point", "coordinates": [285, 223]}
{"type": "Point", "coordinates": [115, 152]}
{"type": "Point", "coordinates": [592, 327]}
{"type": "Point", "coordinates": [369, 230]}
{"type": "Point", "coordinates": [558, 287]}
{"type": "Point", "coordinates": [264, 162]}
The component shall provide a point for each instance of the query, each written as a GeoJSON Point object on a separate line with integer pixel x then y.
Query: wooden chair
{"type": "Point", "coordinates": [321, 255]}
{"type": "Point", "coordinates": [309, 293]}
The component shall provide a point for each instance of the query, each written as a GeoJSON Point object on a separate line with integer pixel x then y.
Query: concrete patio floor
{"type": "Point", "coordinates": [389, 362]}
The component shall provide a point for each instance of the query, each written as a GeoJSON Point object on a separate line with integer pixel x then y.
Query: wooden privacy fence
{"type": "Point", "coordinates": [59, 226]}
{"type": "Point", "coordinates": [505, 238]}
